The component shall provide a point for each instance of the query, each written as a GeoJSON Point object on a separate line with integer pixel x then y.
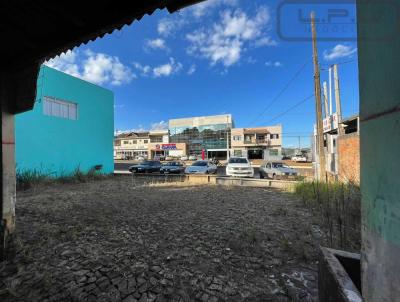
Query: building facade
{"type": "Point", "coordinates": [131, 145]}
{"type": "Point", "coordinates": [342, 152]}
{"type": "Point", "coordinates": [257, 143]}
{"type": "Point", "coordinates": [208, 133]}
{"type": "Point", "coordinates": [71, 126]}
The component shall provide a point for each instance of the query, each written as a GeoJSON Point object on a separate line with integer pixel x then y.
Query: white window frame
{"type": "Point", "coordinates": [65, 108]}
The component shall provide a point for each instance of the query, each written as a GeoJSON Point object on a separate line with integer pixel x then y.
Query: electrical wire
{"type": "Point", "coordinates": [291, 108]}
{"type": "Point", "coordinates": [280, 92]}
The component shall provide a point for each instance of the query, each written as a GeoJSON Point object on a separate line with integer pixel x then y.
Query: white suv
{"type": "Point", "coordinates": [240, 167]}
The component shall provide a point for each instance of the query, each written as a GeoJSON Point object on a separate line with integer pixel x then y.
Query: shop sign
{"type": "Point", "coordinates": [169, 147]}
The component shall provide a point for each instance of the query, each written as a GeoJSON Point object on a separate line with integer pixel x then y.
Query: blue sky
{"type": "Point", "coordinates": [221, 56]}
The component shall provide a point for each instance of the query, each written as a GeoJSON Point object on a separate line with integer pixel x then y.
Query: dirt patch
{"type": "Point", "coordinates": [110, 241]}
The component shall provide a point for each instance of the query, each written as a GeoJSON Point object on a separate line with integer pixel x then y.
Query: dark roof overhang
{"type": "Point", "coordinates": [33, 31]}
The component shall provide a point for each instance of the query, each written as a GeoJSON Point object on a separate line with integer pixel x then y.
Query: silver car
{"type": "Point", "coordinates": [201, 167]}
{"type": "Point", "coordinates": [276, 170]}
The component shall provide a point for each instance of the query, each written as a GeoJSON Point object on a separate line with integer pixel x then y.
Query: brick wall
{"type": "Point", "coordinates": [348, 147]}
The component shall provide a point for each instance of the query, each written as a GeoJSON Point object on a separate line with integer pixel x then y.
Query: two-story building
{"type": "Point", "coordinates": [130, 145]}
{"type": "Point", "coordinates": [257, 143]}
{"type": "Point", "coordinates": [70, 127]}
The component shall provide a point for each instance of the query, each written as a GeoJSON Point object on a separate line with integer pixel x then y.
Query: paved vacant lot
{"type": "Point", "coordinates": [110, 241]}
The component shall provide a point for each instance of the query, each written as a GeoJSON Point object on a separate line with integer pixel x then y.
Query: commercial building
{"type": "Point", "coordinates": [71, 126]}
{"type": "Point", "coordinates": [208, 133]}
{"type": "Point", "coordinates": [148, 145]}
{"type": "Point", "coordinates": [257, 143]}
{"type": "Point", "coordinates": [132, 144]}
{"type": "Point", "coordinates": [159, 144]}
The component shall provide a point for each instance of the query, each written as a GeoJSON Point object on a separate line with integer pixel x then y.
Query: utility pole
{"type": "Point", "coordinates": [330, 91]}
{"type": "Point", "coordinates": [317, 90]}
{"type": "Point", "coordinates": [337, 99]}
{"type": "Point", "coordinates": [227, 137]}
{"type": "Point", "coordinates": [328, 136]}
{"type": "Point", "coordinates": [299, 144]}
{"type": "Point", "coordinates": [326, 100]}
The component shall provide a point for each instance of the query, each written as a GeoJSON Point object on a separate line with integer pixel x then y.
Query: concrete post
{"type": "Point", "coordinates": [9, 175]}
{"type": "Point", "coordinates": [379, 62]}
{"type": "Point", "coordinates": [7, 171]}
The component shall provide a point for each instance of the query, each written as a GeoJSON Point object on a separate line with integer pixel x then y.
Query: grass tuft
{"type": "Point", "coordinates": [338, 205]}
{"type": "Point", "coordinates": [27, 179]}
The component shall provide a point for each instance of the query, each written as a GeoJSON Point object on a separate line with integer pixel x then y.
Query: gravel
{"type": "Point", "coordinates": [111, 241]}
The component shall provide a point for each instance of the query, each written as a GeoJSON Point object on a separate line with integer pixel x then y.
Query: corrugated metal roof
{"type": "Point", "coordinates": [42, 29]}
{"type": "Point", "coordinates": [34, 31]}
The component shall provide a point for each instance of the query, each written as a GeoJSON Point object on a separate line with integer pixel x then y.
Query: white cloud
{"type": "Point", "coordinates": [167, 69]}
{"type": "Point", "coordinates": [139, 129]}
{"type": "Point", "coordinates": [156, 44]}
{"type": "Point", "coordinates": [225, 41]}
{"type": "Point", "coordinates": [143, 69]}
{"type": "Point", "coordinates": [168, 26]}
{"type": "Point", "coordinates": [162, 125]}
{"type": "Point", "coordinates": [339, 51]}
{"type": "Point", "coordinates": [97, 68]}
{"type": "Point", "coordinates": [201, 9]}
{"type": "Point", "coordinates": [192, 69]}
{"type": "Point", "coordinates": [273, 64]}
{"type": "Point", "coordinates": [65, 62]}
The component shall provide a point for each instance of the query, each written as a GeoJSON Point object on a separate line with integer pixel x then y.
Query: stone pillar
{"type": "Point", "coordinates": [379, 65]}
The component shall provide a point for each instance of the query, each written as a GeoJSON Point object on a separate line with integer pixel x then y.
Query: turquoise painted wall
{"type": "Point", "coordinates": [57, 145]}
{"type": "Point", "coordinates": [379, 65]}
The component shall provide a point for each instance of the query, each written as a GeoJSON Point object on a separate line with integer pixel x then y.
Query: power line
{"type": "Point", "coordinates": [280, 92]}
{"type": "Point", "coordinates": [291, 108]}
{"type": "Point", "coordinates": [324, 66]}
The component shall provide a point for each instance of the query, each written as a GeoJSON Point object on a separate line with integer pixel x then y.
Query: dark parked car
{"type": "Point", "coordinates": [147, 166]}
{"type": "Point", "coordinates": [172, 167]}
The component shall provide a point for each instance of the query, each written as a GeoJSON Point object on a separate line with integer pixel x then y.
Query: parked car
{"type": "Point", "coordinates": [184, 158]}
{"type": "Point", "coordinates": [147, 166]}
{"type": "Point", "coordinates": [286, 157]}
{"type": "Point", "coordinates": [239, 167]}
{"type": "Point", "coordinates": [139, 158]}
{"type": "Point", "coordinates": [172, 167]}
{"type": "Point", "coordinates": [193, 157]}
{"type": "Point", "coordinates": [299, 158]}
{"type": "Point", "coordinates": [169, 158]}
{"type": "Point", "coordinates": [276, 170]}
{"type": "Point", "coordinates": [202, 167]}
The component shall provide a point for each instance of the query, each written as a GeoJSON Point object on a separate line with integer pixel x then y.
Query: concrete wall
{"type": "Point", "coordinates": [349, 157]}
{"type": "Point", "coordinates": [379, 65]}
{"type": "Point", "coordinates": [57, 145]}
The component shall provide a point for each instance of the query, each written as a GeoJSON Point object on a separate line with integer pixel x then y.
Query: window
{"type": "Point", "coordinates": [237, 138]}
{"type": "Point", "coordinates": [156, 139]}
{"type": "Point", "coordinates": [237, 153]}
{"type": "Point", "coordinates": [134, 142]}
{"type": "Point", "coordinates": [273, 152]}
{"type": "Point", "coordinates": [126, 142]}
{"type": "Point", "coordinates": [274, 136]}
{"type": "Point", "coordinates": [145, 141]}
{"type": "Point", "coordinates": [238, 161]}
{"type": "Point", "coordinates": [59, 108]}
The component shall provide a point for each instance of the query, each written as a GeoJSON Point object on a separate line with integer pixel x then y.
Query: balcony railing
{"type": "Point", "coordinates": [257, 142]}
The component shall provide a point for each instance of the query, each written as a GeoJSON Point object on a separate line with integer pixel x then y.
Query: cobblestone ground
{"type": "Point", "coordinates": [109, 241]}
